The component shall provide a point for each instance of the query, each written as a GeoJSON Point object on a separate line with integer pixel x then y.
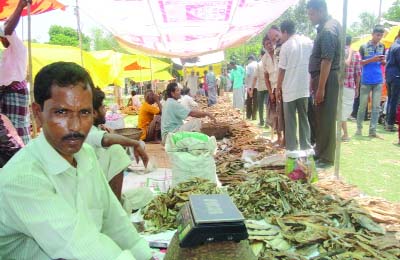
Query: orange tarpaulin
{"type": "Point", "coordinates": [7, 7]}
{"type": "Point", "coordinates": [134, 66]}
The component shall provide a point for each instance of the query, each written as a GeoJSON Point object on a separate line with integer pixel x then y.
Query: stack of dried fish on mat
{"type": "Point", "coordinates": [162, 210]}
{"type": "Point", "coordinates": [299, 221]}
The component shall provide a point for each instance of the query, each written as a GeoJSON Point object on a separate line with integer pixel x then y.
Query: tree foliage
{"type": "Point", "coordinates": [67, 36]}
{"type": "Point", "coordinates": [297, 13]}
{"type": "Point", "coordinates": [364, 26]}
{"type": "Point", "coordinates": [105, 41]}
{"type": "Point", "coordinates": [393, 14]}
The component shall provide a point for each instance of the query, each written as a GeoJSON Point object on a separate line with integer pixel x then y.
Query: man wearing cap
{"type": "Point", "coordinates": [237, 77]}
{"type": "Point", "coordinates": [14, 94]}
{"type": "Point", "coordinates": [251, 101]}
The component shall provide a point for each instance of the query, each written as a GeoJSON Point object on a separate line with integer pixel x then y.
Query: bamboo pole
{"type": "Point", "coordinates": [30, 71]}
{"type": "Point", "coordinates": [340, 98]}
{"type": "Point", "coordinates": [78, 20]}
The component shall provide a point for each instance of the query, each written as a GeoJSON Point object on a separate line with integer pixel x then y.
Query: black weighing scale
{"type": "Point", "coordinates": [210, 218]}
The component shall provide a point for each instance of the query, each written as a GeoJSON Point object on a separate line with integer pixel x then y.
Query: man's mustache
{"type": "Point", "coordinates": [74, 135]}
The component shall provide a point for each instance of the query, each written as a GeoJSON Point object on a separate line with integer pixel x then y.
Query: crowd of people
{"type": "Point", "coordinates": [60, 192]}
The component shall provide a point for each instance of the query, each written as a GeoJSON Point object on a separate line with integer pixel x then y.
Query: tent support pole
{"type": "Point", "coordinates": [340, 98]}
{"type": "Point", "coordinates": [78, 20]}
{"type": "Point", "coordinates": [30, 76]}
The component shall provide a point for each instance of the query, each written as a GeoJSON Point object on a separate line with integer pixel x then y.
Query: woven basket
{"type": "Point", "coordinates": [211, 251]}
{"type": "Point", "coordinates": [219, 131]}
{"type": "Point", "coordinates": [132, 133]}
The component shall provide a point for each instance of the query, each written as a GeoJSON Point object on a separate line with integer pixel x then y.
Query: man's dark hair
{"type": "Point", "coordinates": [61, 74]}
{"type": "Point", "coordinates": [148, 86]}
{"type": "Point", "coordinates": [378, 29]}
{"type": "Point", "coordinates": [133, 93]}
{"type": "Point", "coordinates": [266, 38]}
{"type": "Point", "coordinates": [185, 91]}
{"type": "Point", "coordinates": [319, 5]}
{"type": "Point", "coordinates": [348, 40]}
{"type": "Point", "coordinates": [274, 27]}
{"type": "Point", "coordinates": [171, 87]}
{"type": "Point", "coordinates": [98, 98]}
{"type": "Point", "coordinates": [288, 26]}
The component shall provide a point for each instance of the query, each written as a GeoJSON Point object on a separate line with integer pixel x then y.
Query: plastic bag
{"type": "Point", "coordinates": [300, 165]}
{"type": "Point", "coordinates": [192, 155]}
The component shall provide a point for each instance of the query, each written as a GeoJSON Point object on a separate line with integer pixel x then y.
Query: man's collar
{"type": "Point", "coordinates": [54, 163]}
{"type": "Point", "coordinates": [323, 22]}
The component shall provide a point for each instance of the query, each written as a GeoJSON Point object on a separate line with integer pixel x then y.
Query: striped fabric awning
{"type": "Point", "coordinates": [7, 7]}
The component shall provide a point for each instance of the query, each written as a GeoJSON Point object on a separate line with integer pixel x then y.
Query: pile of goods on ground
{"type": "Point", "coordinates": [129, 110]}
{"type": "Point", "coordinates": [288, 220]}
{"type": "Point", "coordinates": [162, 210]}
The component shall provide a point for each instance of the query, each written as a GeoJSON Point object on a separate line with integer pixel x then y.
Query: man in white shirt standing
{"type": "Point", "coordinates": [192, 82]}
{"type": "Point", "coordinates": [251, 101]}
{"type": "Point", "coordinates": [14, 93]}
{"type": "Point", "coordinates": [293, 85]}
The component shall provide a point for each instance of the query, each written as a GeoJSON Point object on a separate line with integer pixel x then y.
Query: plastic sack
{"type": "Point", "coordinates": [191, 155]}
{"type": "Point", "coordinates": [300, 165]}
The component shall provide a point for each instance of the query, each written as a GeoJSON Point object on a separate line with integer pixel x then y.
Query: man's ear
{"type": "Point", "coordinates": [37, 110]}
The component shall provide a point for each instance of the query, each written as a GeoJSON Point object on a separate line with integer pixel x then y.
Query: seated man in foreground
{"type": "Point", "coordinates": [108, 146]}
{"type": "Point", "coordinates": [55, 201]}
{"type": "Point", "coordinates": [149, 118]}
{"type": "Point", "coordinates": [174, 113]}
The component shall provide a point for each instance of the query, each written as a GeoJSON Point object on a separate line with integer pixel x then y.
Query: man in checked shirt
{"type": "Point", "coordinates": [351, 84]}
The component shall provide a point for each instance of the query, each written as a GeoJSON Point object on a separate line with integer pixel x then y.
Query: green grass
{"type": "Point", "coordinates": [372, 164]}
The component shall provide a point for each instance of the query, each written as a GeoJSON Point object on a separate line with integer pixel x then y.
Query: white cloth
{"type": "Point", "coordinates": [294, 57]}
{"type": "Point", "coordinates": [14, 61]}
{"type": "Point", "coordinates": [238, 98]}
{"type": "Point", "coordinates": [250, 69]}
{"type": "Point", "coordinates": [188, 102]}
{"type": "Point", "coordinates": [135, 101]}
{"type": "Point", "coordinates": [347, 102]}
{"type": "Point", "coordinates": [259, 73]}
{"type": "Point", "coordinates": [113, 159]}
{"type": "Point", "coordinates": [270, 65]}
{"type": "Point", "coordinates": [192, 84]}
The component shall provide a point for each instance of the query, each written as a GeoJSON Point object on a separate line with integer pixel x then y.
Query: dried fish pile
{"type": "Point", "coordinates": [343, 232]}
{"type": "Point", "coordinates": [269, 194]}
{"type": "Point", "coordinates": [231, 172]}
{"type": "Point", "coordinates": [310, 223]}
{"type": "Point", "coordinates": [162, 210]}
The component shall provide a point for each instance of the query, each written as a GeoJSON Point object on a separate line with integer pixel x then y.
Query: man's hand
{"type": "Point", "coordinates": [139, 152]}
{"type": "Point", "coordinates": [105, 128]}
{"type": "Point", "coordinates": [278, 94]}
{"type": "Point", "coordinates": [319, 96]}
{"type": "Point", "coordinates": [24, 3]}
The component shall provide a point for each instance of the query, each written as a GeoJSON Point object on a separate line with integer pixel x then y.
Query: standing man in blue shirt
{"type": "Point", "coordinates": [393, 83]}
{"type": "Point", "coordinates": [372, 58]}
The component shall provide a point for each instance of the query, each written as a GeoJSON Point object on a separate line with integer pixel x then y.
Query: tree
{"type": "Point", "coordinates": [105, 41]}
{"type": "Point", "coordinates": [297, 13]}
{"type": "Point", "coordinates": [393, 14]}
{"type": "Point", "coordinates": [365, 26]}
{"type": "Point", "coordinates": [67, 36]}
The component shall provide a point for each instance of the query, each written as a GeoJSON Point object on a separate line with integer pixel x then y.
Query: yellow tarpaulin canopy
{"type": "Point", "coordinates": [105, 67]}
{"type": "Point", "coordinates": [145, 75]}
{"type": "Point", "coordinates": [387, 40]}
{"type": "Point", "coordinates": [44, 54]}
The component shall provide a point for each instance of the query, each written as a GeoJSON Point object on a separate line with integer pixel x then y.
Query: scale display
{"type": "Point", "coordinates": [210, 218]}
